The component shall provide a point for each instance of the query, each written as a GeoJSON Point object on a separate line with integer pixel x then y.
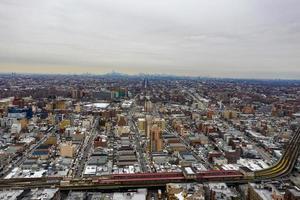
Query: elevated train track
{"type": "Point", "coordinates": [282, 168]}
{"type": "Point", "coordinates": [285, 165]}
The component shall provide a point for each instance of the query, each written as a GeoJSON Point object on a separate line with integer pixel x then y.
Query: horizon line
{"type": "Point", "coordinates": [147, 74]}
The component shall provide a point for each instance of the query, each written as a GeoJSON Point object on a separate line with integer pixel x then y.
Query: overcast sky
{"type": "Point", "coordinates": [218, 38]}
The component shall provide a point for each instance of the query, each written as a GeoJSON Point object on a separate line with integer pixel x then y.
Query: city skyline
{"type": "Point", "coordinates": [160, 100]}
{"type": "Point", "coordinates": [157, 75]}
{"type": "Point", "coordinates": [85, 137]}
{"type": "Point", "coordinates": [257, 39]}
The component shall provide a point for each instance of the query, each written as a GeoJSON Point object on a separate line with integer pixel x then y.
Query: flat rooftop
{"type": "Point", "coordinates": [97, 105]}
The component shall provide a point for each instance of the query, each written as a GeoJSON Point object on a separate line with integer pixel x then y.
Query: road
{"type": "Point", "coordinates": [265, 155]}
{"type": "Point", "coordinates": [191, 148]}
{"type": "Point", "coordinates": [141, 151]}
{"type": "Point", "coordinates": [29, 151]}
{"type": "Point", "coordinates": [85, 149]}
{"type": "Point", "coordinates": [137, 137]}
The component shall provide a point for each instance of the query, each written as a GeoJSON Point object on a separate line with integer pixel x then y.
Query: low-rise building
{"type": "Point", "coordinates": [67, 149]}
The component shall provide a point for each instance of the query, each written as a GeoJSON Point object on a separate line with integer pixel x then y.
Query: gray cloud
{"type": "Point", "coordinates": [217, 38]}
